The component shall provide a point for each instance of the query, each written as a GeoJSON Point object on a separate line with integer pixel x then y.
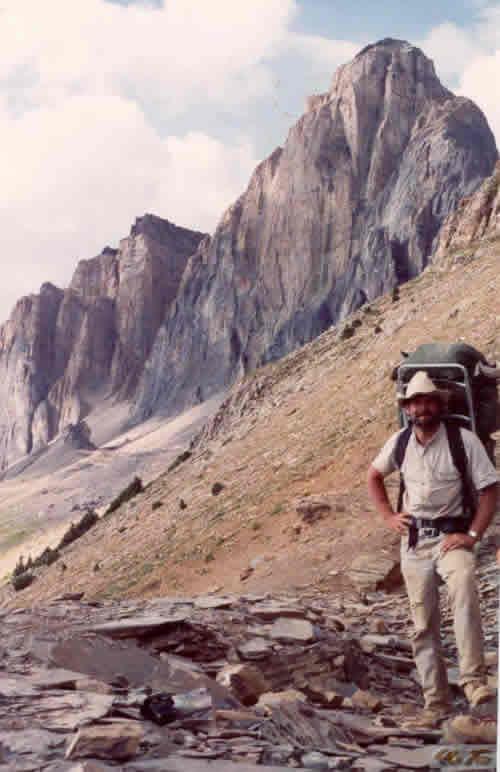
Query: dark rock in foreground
{"type": "Point", "coordinates": [180, 685]}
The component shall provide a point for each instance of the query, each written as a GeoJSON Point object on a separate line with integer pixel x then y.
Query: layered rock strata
{"type": "Point", "coordinates": [349, 207]}
{"type": "Point", "coordinates": [477, 217]}
{"type": "Point", "coordinates": [61, 351]}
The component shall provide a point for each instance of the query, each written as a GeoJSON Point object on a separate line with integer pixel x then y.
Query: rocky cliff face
{"type": "Point", "coordinates": [60, 351]}
{"type": "Point", "coordinates": [348, 208]}
{"type": "Point", "coordinates": [477, 217]}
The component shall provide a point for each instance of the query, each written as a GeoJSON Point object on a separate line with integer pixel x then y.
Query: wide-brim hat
{"type": "Point", "coordinates": [419, 384]}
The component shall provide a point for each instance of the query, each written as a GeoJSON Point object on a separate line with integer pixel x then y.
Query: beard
{"type": "Point", "coordinates": [427, 420]}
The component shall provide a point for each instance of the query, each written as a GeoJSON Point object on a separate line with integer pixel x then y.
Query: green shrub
{"type": "Point", "coordinates": [179, 460]}
{"type": "Point", "coordinates": [127, 493]}
{"type": "Point", "coordinates": [47, 557]}
{"type": "Point", "coordinates": [74, 532]}
{"type": "Point", "coordinates": [20, 581]}
{"type": "Point", "coordinates": [20, 568]}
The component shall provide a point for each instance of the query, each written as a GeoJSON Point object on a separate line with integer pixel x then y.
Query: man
{"type": "Point", "coordinates": [433, 489]}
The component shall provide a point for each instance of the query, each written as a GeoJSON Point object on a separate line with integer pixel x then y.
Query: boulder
{"type": "Point", "coordinates": [118, 740]}
{"type": "Point", "coordinates": [245, 681]}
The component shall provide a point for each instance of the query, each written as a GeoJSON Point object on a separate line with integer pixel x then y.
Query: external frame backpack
{"type": "Point", "coordinates": [468, 377]}
{"type": "Point", "coordinates": [474, 404]}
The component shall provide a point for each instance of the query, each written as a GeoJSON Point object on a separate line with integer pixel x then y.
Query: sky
{"type": "Point", "coordinates": [113, 108]}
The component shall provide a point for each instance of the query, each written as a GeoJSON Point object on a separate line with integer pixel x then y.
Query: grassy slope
{"type": "Point", "coordinates": [318, 419]}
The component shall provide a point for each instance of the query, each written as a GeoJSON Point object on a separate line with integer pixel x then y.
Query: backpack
{"type": "Point", "coordinates": [468, 377]}
{"type": "Point", "coordinates": [474, 404]}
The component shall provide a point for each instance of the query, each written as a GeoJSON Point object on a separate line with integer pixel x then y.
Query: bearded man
{"type": "Point", "coordinates": [438, 540]}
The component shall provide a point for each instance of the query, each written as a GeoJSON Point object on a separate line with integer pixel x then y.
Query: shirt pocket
{"type": "Point", "coordinates": [444, 490]}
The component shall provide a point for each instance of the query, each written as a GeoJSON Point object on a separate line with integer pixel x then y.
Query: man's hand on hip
{"type": "Point", "coordinates": [399, 521]}
{"type": "Point", "coordinates": [456, 541]}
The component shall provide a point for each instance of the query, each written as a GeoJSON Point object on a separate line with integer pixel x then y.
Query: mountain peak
{"type": "Point", "coordinates": [390, 67]}
{"type": "Point", "coordinates": [389, 44]}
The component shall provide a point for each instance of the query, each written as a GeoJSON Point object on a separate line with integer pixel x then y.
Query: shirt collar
{"type": "Point", "coordinates": [436, 438]}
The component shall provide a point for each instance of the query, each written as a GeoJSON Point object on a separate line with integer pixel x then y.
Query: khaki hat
{"type": "Point", "coordinates": [420, 383]}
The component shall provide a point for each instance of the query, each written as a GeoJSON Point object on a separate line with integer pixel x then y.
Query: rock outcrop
{"type": "Point", "coordinates": [348, 208]}
{"type": "Point", "coordinates": [477, 217]}
{"type": "Point", "coordinates": [61, 351]}
{"type": "Point", "coordinates": [177, 684]}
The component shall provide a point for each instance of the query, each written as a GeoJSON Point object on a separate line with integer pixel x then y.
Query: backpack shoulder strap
{"type": "Point", "coordinates": [399, 456]}
{"type": "Point", "coordinates": [401, 445]}
{"type": "Point", "coordinates": [459, 456]}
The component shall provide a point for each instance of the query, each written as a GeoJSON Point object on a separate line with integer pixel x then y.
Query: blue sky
{"type": "Point", "coordinates": [389, 18]}
{"type": "Point", "coordinates": [111, 108]}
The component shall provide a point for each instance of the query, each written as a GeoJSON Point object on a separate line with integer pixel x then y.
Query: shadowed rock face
{"type": "Point", "coordinates": [60, 351]}
{"type": "Point", "coordinates": [476, 218]}
{"type": "Point", "coordinates": [347, 209]}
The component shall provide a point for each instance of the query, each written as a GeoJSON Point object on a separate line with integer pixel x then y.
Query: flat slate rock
{"type": "Point", "coordinates": [407, 758]}
{"type": "Point", "coordinates": [371, 571]}
{"type": "Point", "coordinates": [37, 742]}
{"type": "Point", "coordinates": [271, 611]}
{"type": "Point", "coordinates": [56, 678]}
{"type": "Point", "coordinates": [292, 630]}
{"type": "Point", "coordinates": [118, 740]}
{"type": "Point", "coordinates": [374, 765]}
{"type": "Point", "coordinates": [255, 648]}
{"type": "Point", "coordinates": [183, 764]}
{"type": "Point", "coordinates": [88, 765]}
{"type": "Point", "coordinates": [16, 687]}
{"type": "Point", "coordinates": [213, 601]}
{"type": "Point", "coordinates": [64, 712]}
{"type": "Point", "coordinates": [137, 627]}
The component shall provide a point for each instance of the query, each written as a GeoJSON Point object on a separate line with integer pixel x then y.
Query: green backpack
{"type": "Point", "coordinates": [468, 377]}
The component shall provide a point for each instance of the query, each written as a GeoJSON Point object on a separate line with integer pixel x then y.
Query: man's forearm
{"type": "Point", "coordinates": [485, 509]}
{"type": "Point", "coordinates": [378, 494]}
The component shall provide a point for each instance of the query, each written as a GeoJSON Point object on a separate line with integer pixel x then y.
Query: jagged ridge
{"type": "Point", "coordinates": [61, 351]}
{"type": "Point", "coordinates": [348, 208]}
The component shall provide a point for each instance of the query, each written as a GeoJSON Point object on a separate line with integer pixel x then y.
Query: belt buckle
{"type": "Point", "coordinates": [429, 533]}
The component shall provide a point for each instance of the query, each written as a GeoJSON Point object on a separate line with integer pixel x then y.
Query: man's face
{"type": "Point", "coordinates": [424, 410]}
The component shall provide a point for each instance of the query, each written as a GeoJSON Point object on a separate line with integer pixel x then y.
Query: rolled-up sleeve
{"type": "Point", "coordinates": [385, 462]}
{"type": "Point", "coordinates": [482, 471]}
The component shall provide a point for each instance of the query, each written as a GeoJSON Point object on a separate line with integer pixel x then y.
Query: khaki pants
{"type": "Point", "coordinates": [422, 569]}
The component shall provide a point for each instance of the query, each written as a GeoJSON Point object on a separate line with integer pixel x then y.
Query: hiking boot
{"type": "Point", "coordinates": [469, 730]}
{"type": "Point", "coordinates": [428, 718]}
{"type": "Point", "coordinates": [478, 693]}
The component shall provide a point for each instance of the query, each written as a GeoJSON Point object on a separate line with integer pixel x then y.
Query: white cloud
{"type": "Point", "coordinates": [76, 176]}
{"type": "Point", "coordinates": [179, 53]}
{"type": "Point", "coordinates": [469, 59]}
{"type": "Point", "coordinates": [88, 91]}
{"type": "Point", "coordinates": [479, 82]}
{"type": "Point", "coordinates": [79, 157]}
{"type": "Point", "coordinates": [450, 47]}
{"type": "Point", "coordinates": [323, 54]}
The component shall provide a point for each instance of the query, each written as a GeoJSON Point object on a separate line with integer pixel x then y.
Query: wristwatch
{"type": "Point", "coordinates": [474, 535]}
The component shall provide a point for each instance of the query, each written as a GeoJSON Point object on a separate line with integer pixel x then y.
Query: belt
{"type": "Point", "coordinates": [429, 529]}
